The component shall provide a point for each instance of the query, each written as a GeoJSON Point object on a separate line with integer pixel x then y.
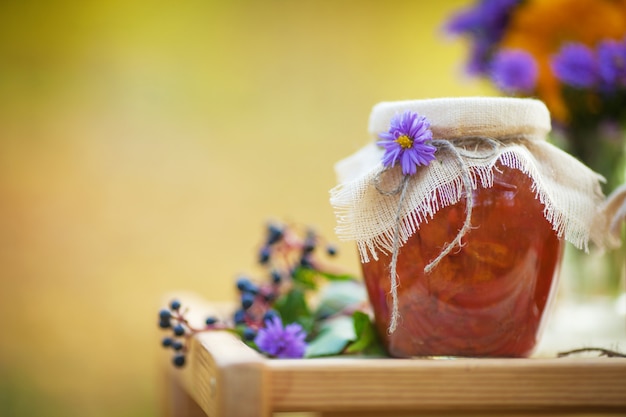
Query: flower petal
{"type": "Point", "coordinates": [417, 152]}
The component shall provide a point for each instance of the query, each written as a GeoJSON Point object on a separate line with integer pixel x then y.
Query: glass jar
{"type": "Point", "coordinates": [487, 298]}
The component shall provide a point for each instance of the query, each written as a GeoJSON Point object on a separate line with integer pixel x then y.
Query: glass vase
{"type": "Point", "coordinates": [600, 146]}
{"type": "Point", "coordinates": [591, 307]}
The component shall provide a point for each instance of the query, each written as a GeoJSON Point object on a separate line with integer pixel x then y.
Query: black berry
{"type": "Point", "coordinates": [274, 234]}
{"type": "Point", "coordinates": [245, 285]}
{"type": "Point", "coordinates": [165, 314]}
{"type": "Point", "coordinates": [264, 255]}
{"type": "Point", "coordinates": [276, 276]}
{"type": "Point", "coordinates": [270, 296]}
{"type": "Point", "coordinates": [179, 360]}
{"type": "Point", "coordinates": [175, 305]}
{"type": "Point", "coordinates": [247, 299]}
{"type": "Point", "coordinates": [179, 330]}
{"type": "Point", "coordinates": [269, 315]}
{"type": "Point", "coordinates": [305, 262]}
{"type": "Point", "coordinates": [240, 317]}
{"type": "Point", "coordinates": [309, 245]}
{"type": "Point", "coordinates": [249, 334]}
{"type": "Point", "coordinates": [167, 341]}
{"type": "Point", "coordinates": [210, 321]}
{"type": "Point", "coordinates": [177, 345]}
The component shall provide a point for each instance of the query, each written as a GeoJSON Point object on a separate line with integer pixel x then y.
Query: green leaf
{"type": "Point", "coordinates": [333, 337]}
{"type": "Point", "coordinates": [337, 296]}
{"type": "Point", "coordinates": [367, 341]}
{"type": "Point", "coordinates": [292, 307]}
{"type": "Point", "coordinates": [239, 331]}
{"type": "Point", "coordinates": [305, 277]}
{"type": "Point", "coordinates": [336, 277]}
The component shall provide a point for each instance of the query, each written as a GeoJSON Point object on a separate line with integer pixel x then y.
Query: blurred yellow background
{"type": "Point", "coordinates": [143, 146]}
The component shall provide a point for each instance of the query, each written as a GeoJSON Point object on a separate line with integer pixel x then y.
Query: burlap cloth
{"type": "Point", "coordinates": [484, 131]}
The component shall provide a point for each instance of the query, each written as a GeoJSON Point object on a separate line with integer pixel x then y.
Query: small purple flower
{"type": "Point", "coordinates": [464, 22]}
{"type": "Point", "coordinates": [478, 60]}
{"type": "Point", "coordinates": [279, 341]}
{"type": "Point", "coordinates": [514, 71]}
{"type": "Point", "coordinates": [484, 24]}
{"type": "Point", "coordinates": [612, 63]}
{"type": "Point", "coordinates": [406, 141]}
{"type": "Point", "coordinates": [487, 18]}
{"type": "Point", "coordinates": [576, 65]}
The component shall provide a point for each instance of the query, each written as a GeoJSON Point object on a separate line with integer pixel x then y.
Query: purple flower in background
{"type": "Point", "coordinates": [514, 71]}
{"type": "Point", "coordinates": [478, 60]}
{"type": "Point", "coordinates": [576, 65]}
{"type": "Point", "coordinates": [463, 22]}
{"type": "Point", "coordinates": [406, 141]}
{"type": "Point", "coordinates": [487, 18]}
{"type": "Point", "coordinates": [484, 24]}
{"type": "Point", "coordinates": [612, 63]}
{"type": "Point", "coordinates": [279, 341]}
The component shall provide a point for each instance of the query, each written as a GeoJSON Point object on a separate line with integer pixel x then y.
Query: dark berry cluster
{"type": "Point", "coordinates": [284, 254]}
{"type": "Point", "coordinates": [288, 257]}
{"type": "Point", "coordinates": [173, 320]}
{"type": "Point", "coordinates": [255, 306]}
{"type": "Point", "coordinates": [283, 245]}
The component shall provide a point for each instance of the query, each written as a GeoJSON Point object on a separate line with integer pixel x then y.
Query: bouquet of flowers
{"type": "Point", "coordinates": [571, 54]}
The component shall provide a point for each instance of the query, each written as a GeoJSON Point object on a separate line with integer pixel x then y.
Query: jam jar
{"type": "Point", "coordinates": [487, 298]}
{"type": "Point", "coordinates": [461, 253]}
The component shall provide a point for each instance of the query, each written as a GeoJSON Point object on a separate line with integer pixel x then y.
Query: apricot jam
{"type": "Point", "coordinates": [485, 299]}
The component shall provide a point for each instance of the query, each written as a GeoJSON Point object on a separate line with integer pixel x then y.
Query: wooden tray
{"type": "Point", "coordinates": [224, 378]}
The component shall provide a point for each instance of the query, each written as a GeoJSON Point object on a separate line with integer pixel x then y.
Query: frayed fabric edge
{"type": "Point", "coordinates": [565, 221]}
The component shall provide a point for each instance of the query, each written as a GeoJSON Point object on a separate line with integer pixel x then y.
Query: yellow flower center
{"type": "Point", "coordinates": [404, 141]}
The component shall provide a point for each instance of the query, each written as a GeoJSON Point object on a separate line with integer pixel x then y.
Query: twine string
{"type": "Point", "coordinates": [394, 191]}
{"type": "Point", "coordinates": [457, 149]}
{"type": "Point", "coordinates": [395, 248]}
{"type": "Point", "coordinates": [469, 204]}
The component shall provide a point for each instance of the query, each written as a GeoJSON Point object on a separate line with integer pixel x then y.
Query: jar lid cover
{"type": "Point", "coordinates": [470, 116]}
{"type": "Point", "coordinates": [514, 133]}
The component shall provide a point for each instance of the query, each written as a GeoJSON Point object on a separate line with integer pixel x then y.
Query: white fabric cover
{"type": "Point", "coordinates": [570, 191]}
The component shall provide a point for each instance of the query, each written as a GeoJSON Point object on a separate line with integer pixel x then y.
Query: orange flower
{"type": "Point", "coordinates": [541, 27]}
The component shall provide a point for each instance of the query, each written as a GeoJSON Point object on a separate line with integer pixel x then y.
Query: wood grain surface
{"type": "Point", "coordinates": [226, 378]}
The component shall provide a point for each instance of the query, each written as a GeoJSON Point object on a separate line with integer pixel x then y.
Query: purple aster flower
{"type": "Point", "coordinates": [279, 341]}
{"type": "Point", "coordinates": [487, 18]}
{"type": "Point", "coordinates": [478, 60]}
{"type": "Point", "coordinates": [576, 65]}
{"type": "Point", "coordinates": [407, 142]}
{"type": "Point", "coordinates": [514, 71]}
{"type": "Point", "coordinates": [464, 22]}
{"type": "Point", "coordinates": [484, 24]}
{"type": "Point", "coordinates": [612, 63]}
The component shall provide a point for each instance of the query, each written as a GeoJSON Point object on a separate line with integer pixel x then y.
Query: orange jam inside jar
{"type": "Point", "coordinates": [484, 299]}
